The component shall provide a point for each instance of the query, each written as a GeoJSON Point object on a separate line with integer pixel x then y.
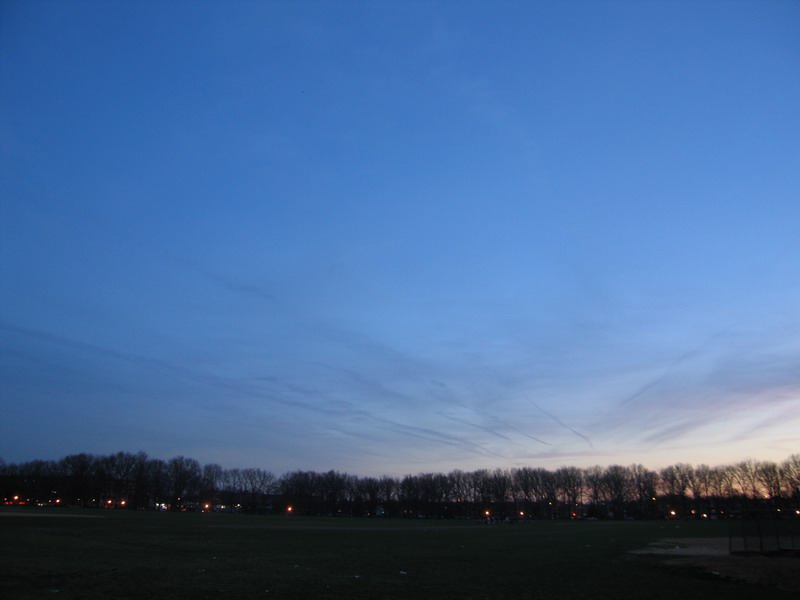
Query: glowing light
{"type": "Point", "coordinates": [672, 512]}
{"type": "Point", "coordinates": [289, 509]}
{"type": "Point", "coordinates": [16, 498]}
{"type": "Point", "coordinates": [521, 514]}
{"type": "Point", "coordinates": [486, 513]}
{"type": "Point", "coordinates": [122, 503]}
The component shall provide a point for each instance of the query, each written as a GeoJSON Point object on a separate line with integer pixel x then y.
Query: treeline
{"type": "Point", "coordinates": [136, 481]}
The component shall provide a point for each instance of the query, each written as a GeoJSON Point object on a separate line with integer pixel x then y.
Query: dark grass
{"type": "Point", "coordinates": [158, 555]}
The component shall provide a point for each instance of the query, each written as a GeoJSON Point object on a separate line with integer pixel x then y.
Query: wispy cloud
{"type": "Point", "coordinates": [483, 428]}
{"type": "Point", "coordinates": [708, 387]}
{"type": "Point", "coordinates": [228, 282]}
{"type": "Point", "coordinates": [564, 425]}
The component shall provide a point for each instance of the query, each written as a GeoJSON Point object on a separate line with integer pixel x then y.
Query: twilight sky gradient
{"type": "Point", "coordinates": [393, 237]}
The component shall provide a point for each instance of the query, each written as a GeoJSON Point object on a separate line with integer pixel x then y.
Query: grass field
{"type": "Point", "coordinates": [122, 554]}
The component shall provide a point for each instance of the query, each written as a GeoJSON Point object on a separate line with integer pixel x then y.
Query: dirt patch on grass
{"type": "Point", "coordinates": [711, 556]}
{"type": "Point", "coordinates": [716, 546]}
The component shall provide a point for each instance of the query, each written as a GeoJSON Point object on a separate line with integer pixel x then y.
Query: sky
{"type": "Point", "coordinates": [400, 237]}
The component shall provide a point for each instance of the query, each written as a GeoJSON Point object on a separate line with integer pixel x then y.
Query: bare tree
{"type": "Point", "coordinates": [211, 481]}
{"type": "Point", "coordinates": [120, 467]}
{"type": "Point", "coordinates": [410, 493]}
{"type": "Point", "coordinates": [159, 481]}
{"type": "Point", "coordinates": [593, 481]}
{"type": "Point", "coordinates": [747, 478]}
{"type": "Point", "coordinates": [770, 476]}
{"type": "Point", "coordinates": [78, 469]}
{"type": "Point", "coordinates": [140, 479]}
{"type": "Point", "coordinates": [645, 483]}
{"type": "Point", "coordinates": [185, 477]}
{"type": "Point", "coordinates": [370, 490]}
{"type": "Point", "coordinates": [526, 483]}
{"type": "Point", "coordinates": [333, 489]}
{"type": "Point", "coordinates": [702, 488]}
{"type": "Point", "coordinates": [481, 484]}
{"type": "Point", "coordinates": [618, 486]}
{"type": "Point", "coordinates": [256, 483]}
{"type": "Point", "coordinates": [388, 494]}
{"type": "Point", "coordinates": [460, 487]}
{"type": "Point", "coordinates": [300, 489]}
{"type": "Point", "coordinates": [501, 486]}
{"type": "Point", "coordinates": [613, 490]}
{"type": "Point", "coordinates": [686, 482]}
{"type": "Point", "coordinates": [569, 482]}
{"type": "Point", "coordinates": [791, 475]}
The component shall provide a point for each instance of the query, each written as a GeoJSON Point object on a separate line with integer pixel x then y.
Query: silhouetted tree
{"type": "Point", "coordinates": [724, 478]}
{"type": "Point", "coordinates": [389, 490]}
{"type": "Point", "coordinates": [411, 495]}
{"type": "Point", "coordinates": [569, 483]}
{"type": "Point", "coordinates": [185, 477]}
{"type": "Point", "coordinates": [211, 482]}
{"type": "Point", "coordinates": [460, 491]}
{"type": "Point", "coordinates": [139, 498]}
{"type": "Point", "coordinates": [500, 489]}
{"type": "Point", "coordinates": [333, 490]}
{"type": "Point", "coordinates": [159, 477]}
{"type": "Point", "coordinates": [300, 489]}
{"type": "Point", "coordinates": [770, 476]}
{"type": "Point", "coordinates": [620, 491]}
{"type": "Point", "coordinates": [617, 487]}
{"type": "Point", "coordinates": [594, 485]}
{"type": "Point", "coordinates": [645, 483]}
{"type": "Point", "coordinates": [525, 488]}
{"type": "Point", "coordinates": [702, 486]}
{"type": "Point", "coordinates": [549, 492]}
{"type": "Point", "coordinates": [791, 475]}
{"type": "Point", "coordinates": [370, 490]}
{"type": "Point", "coordinates": [747, 478]}
{"type": "Point", "coordinates": [686, 481]}
{"type": "Point", "coordinates": [673, 484]}
{"type": "Point", "coordinates": [480, 482]}
{"type": "Point", "coordinates": [79, 470]}
{"type": "Point", "coordinates": [120, 467]}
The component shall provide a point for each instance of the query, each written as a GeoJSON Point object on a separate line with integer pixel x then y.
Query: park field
{"type": "Point", "coordinates": [94, 554]}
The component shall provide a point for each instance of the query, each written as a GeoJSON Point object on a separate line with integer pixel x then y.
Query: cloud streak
{"type": "Point", "coordinates": [564, 425]}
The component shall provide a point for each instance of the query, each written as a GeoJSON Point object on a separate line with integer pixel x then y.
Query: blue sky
{"type": "Point", "coordinates": [393, 237]}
